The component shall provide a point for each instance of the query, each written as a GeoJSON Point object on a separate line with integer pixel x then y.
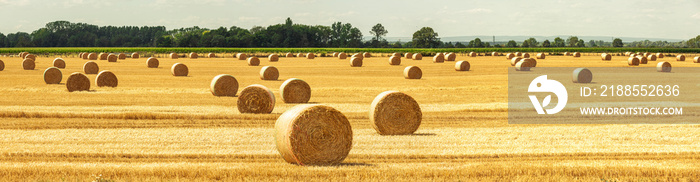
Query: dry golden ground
{"type": "Point", "coordinates": [155, 126]}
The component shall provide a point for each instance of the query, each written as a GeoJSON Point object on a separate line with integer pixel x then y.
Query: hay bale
{"type": "Point", "coordinates": [2, 65]}
{"type": "Point", "coordinates": [52, 75]}
{"type": "Point", "coordinates": [462, 66]}
{"type": "Point", "coordinates": [523, 66]}
{"type": "Point", "coordinates": [313, 135]}
{"type": "Point", "coordinates": [396, 55]}
{"type": "Point", "coordinates": [77, 82]}
{"type": "Point", "coordinates": [85, 55]}
{"type": "Point", "coordinates": [103, 56]}
{"type": "Point", "coordinates": [518, 54]}
{"type": "Point", "coordinates": [135, 55]}
{"type": "Point", "coordinates": [412, 72]}
{"type": "Point", "coordinates": [663, 66]}
{"type": "Point", "coordinates": [472, 54]}
{"type": "Point", "coordinates": [28, 64]}
{"type": "Point", "coordinates": [211, 55]}
{"type": "Point", "coordinates": [408, 55]}
{"type": "Point", "coordinates": [510, 56]}
{"type": "Point", "coordinates": [646, 54]}
{"type": "Point", "coordinates": [194, 55]}
{"type": "Point", "coordinates": [179, 69]}
{"type": "Point", "coordinates": [289, 55]}
{"type": "Point", "coordinates": [273, 58]}
{"type": "Point", "coordinates": [91, 67]}
{"type": "Point", "coordinates": [59, 63]}
{"type": "Point", "coordinates": [174, 56]}
{"type": "Point", "coordinates": [439, 58]}
{"type": "Point", "coordinates": [633, 55]}
{"type": "Point", "coordinates": [30, 56]}
{"type": "Point", "coordinates": [299, 55]}
{"type": "Point", "coordinates": [112, 58]}
{"type": "Point", "coordinates": [358, 55]}
{"type": "Point", "coordinates": [269, 73]}
{"type": "Point", "coordinates": [366, 54]}
{"type": "Point", "coordinates": [106, 79]}
{"type": "Point", "coordinates": [696, 59]}
{"type": "Point", "coordinates": [628, 53]}
{"type": "Point", "coordinates": [335, 54]}
{"type": "Point", "coordinates": [526, 55]}
{"type": "Point", "coordinates": [659, 55]}
{"type": "Point", "coordinates": [651, 57]}
{"type": "Point", "coordinates": [567, 54]}
{"type": "Point", "coordinates": [310, 56]}
{"type": "Point", "coordinates": [642, 59]}
{"type": "Point", "coordinates": [450, 57]}
{"type": "Point", "coordinates": [295, 90]}
{"type": "Point", "coordinates": [92, 56]}
{"type": "Point", "coordinates": [606, 57]}
{"type": "Point", "coordinates": [80, 55]}
{"type": "Point", "coordinates": [417, 56]}
{"type": "Point", "coordinates": [242, 56]}
{"type": "Point", "coordinates": [224, 85]}
{"type": "Point", "coordinates": [342, 55]}
{"type": "Point", "coordinates": [577, 54]}
{"type": "Point", "coordinates": [532, 62]}
{"type": "Point", "coordinates": [515, 61]}
{"type": "Point", "coordinates": [152, 62]}
{"type": "Point", "coordinates": [253, 61]}
{"type": "Point", "coordinates": [256, 99]}
{"type": "Point", "coordinates": [356, 62]}
{"type": "Point", "coordinates": [633, 61]}
{"type": "Point", "coordinates": [395, 113]}
{"type": "Point", "coordinates": [582, 75]}
{"type": "Point", "coordinates": [121, 56]}
{"type": "Point", "coordinates": [394, 60]}
{"type": "Point", "coordinates": [680, 57]}
{"type": "Point", "coordinates": [541, 55]}
{"type": "Point", "coordinates": [23, 54]}
{"type": "Point", "coordinates": [495, 54]}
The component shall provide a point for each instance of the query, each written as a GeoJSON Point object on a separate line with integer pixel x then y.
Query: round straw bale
{"type": "Point", "coordinates": [450, 57]}
{"type": "Point", "coordinates": [103, 56]}
{"type": "Point", "coordinates": [211, 55]}
{"type": "Point", "coordinates": [523, 66]}
{"type": "Point", "coordinates": [394, 60]}
{"type": "Point", "coordinates": [269, 73]}
{"type": "Point", "coordinates": [396, 54]}
{"type": "Point", "coordinates": [659, 55]}
{"type": "Point", "coordinates": [253, 61]}
{"type": "Point", "coordinates": [28, 64]}
{"type": "Point", "coordinates": [412, 72]}
{"type": "Point", "coordinates": [256, 99]}
{"type": "Point", "coordinates": [92, 56]}
{"type": "Point", "coordinates": [696, 59]}
{"type": "Point", "coordinates": [121, 56]}
{"type": "Point", "coordinates": [295, 90]}
{"type": "Point", "coordinates": [439, 58]}
{"type": "Point", "coordinates": [310, 56]}
{"type": "Point", "coordinates": [518, 54]}
{"type": "Point", "coordinates": [628, 53]}
{"type": "Point", "coordinates": [106, 79]}
{"type": "Point", "coordinates": [567, 54]}
{"type": "Point", "coordinates": [174, 56]}
{"type": "Point", "coordinates": [642, 59]}
{"type": "Point", "coordinates": [358, 55]}
{"type": "Point", "coordinates": [313, 135]}
{"type": "Point", "coordinates": [462, 66]}
{"type": "Point", "coordinates": [91, 68]}
{"type": "Point", "coordinates": [289, 55]}
{"type": "Point", "coordinates": [577, 54]}
{"type": "Point", "coordinates": [472, 54]}
{"type": "Point", "coordinates": [663, 67]}
{"type": "Point", "coordinates": [30, 56]}
{"type": "Point", "coordinates": [179, 69]}
{"type": "Point", "coordinates": [532, 62]}
{"type": "Point", "coordinates": [299, 55]}
{"type": "Point", "coordinates": [152, 62]}
{"type": "Point", "coordinates": [510, 56]}
{"type": "Point", "coordinates": [366, 54]}
{"type": "Point", "coordinates": [242, 56]}
{"type": "Point", "coordinates": [515, 61]}
{"type": "Point", "coordinates": [495, 54]}
{"type": "Point", "coordinates": [408, 55]}
{"type": "Point", "coordinates": [342, 55]}
{"type": "Point", "coordinates": [646, 54]}
{"type": "Point", "coordinates": [417, 56]}
{"type": "Point", "coordinates": [224, 85]}
{"type": "Point", "coordinates": [651, 57]}
{"type": "Point", "coordinates": [335, 54]}
{"type": "Point", "coordinates": [633, 55]}
{"type": "Point", "coordinates": [273, 58]}
{"type": "Point", "coordinates": [52, 75]}
{"type": "Point", "coordinates": [395, 113]}
{"type": "Point", "coordinates": [135, 55]}
{"type": "Point", "coordinates": [2, 65]}
{"type": "Point", "coordinates": [526, 55]}
{"type": "Point", "coordinates": [541, 55]}
{"type": "Point", "coordinates": [81, 55]}
{"type": "Point", "coordinates": [582, 75]}
{"type": "Point", "coordinates": [59, 63]}
{"type": "Point", "coordinates": [356, 62]}
{"type": "Point", "coordinates": [77, 82]}
{"type": "Point", "coordinates": [194, 55]}
{"type": "Point", "coordinates": [85, 55]}
{"type": "Point", "coordinates": [633, 61]}
{"type": "Point", "coordinates": [680, 57]}
{"type": "Point", "coordinates": [23, 54]}
{"type": "Point", "coordinates": [605, 57]}
{"type": "Point", "coordinates": [112, 58]}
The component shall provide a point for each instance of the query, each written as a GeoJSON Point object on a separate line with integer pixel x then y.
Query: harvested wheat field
{"type": "Point", "coordinates": [157, 127]}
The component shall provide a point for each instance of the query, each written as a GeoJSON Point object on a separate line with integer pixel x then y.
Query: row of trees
{"type": "Point", "coordinates": [67, 34]}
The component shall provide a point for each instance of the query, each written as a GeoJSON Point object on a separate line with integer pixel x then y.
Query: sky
{"type": "Point", "coordinates": [671, 19]}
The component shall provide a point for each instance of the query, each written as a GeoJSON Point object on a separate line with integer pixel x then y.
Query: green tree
{"type": "Point", "coordinates": [511, 43]}
{"type": "Point", "coordinates": [460, 45]}
{"type": "Point", "coordinates": [426, 38]}
{"type": "Point", "coordinates": [572, 41]}
{"type": "Point", "coordinates": [378, 31]}
{"type": "Point", "coordinates": [476, 43]}
{"type": "Point", "coordinates": [531, 42]}
{"type": "Point", "coordinates": [525, 44]}
{"type": "Point", "coordinates": [617, 42]}
{"type": "Point", "coordinates": [546, 43]}
{"type": "Point", "coordinates": [580, 43]}
{"type": "Point", "coordinates": [591, 43]}
{"type": "Point", "coordinates": [693, 42]}
{"type": "Point", "coordinates": [559, 42]}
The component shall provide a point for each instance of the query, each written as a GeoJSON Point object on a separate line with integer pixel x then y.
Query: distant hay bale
{"type": "Point", "coordinates": [659, 55]}
{"type": "Point", "coordinates": [77, 82]}
{"type": "Point", "coordinates": [518, 54]}
{"type": "Point", "coordinates": [194, 55]}
{"type": "Point", "coordinates": [680, 57]}
{"type": "Point", "coordinates": [224, 85]}
{"type": "Point", "coordinates": [515, 61]}
{"type": "Point", "coordinates": [495, 54]}
{"type": "Point", "coordinates": [335, 54]}
{"type": "Point", "coordinates": [633, 61]}
{"type": "Point", "coordinates": [256, 99]}
{"type": "Point", "coordinates": [472, 54]}
{"type": "Point", "coordinates": [642, 59]}
{"type": "Point", "coordinates": [541, 55]}
{"type": "Point", "coordinates": [532, 62]}
{"type": "Point", "coordinates": [179, 69]}
{"type": "Point", "coordinates": [289, 55]}
{"type": "Point", "coordinates": [52, 75]}
{"type": "Point", "coordinates": [523, 66]}
{"type": "Point", "coordinates": [628, 53]}
{"type": "Point", "coordinates": [313, 135]}
{"type": "Point", "coordinates": [174, 56]}
{"type": "Point", "coordinates": [85, 55]}
{"type": "Point", "coordinates": [253, 61]}
{"type": "Point", "coordinates": [295, 90]}
{"type": "Point", "coordinates": [462, 66]}
{"type": "Point", "coordinates": [23, 54]}
{"type": "Point", "coordinates": [396, 54]}
{"type": "Point", "coordinates": [412, 72]}
{"type": "Point", "coordinates": [439, 58]}
{"type": "Point", "coordinates": [269, 73]}
{"type": "Point", "coordinates": [92, 56]}
{"type": "Point", "coordinates": [59, 63]}
{"type": "Point", "coordinates": [112, 58]}
{"type": "Point", "coordinates": [646, 54]}
{"type": "Point", "coordinates": [567, 54]}
{"type": "Point", "coordinates": [358, 55]}
{"type": "Point", "coordinates": [394, 60]}
{"type": "Point", "coordinates": [80, 55]}
{"type": "Point", "coordinates": [211, 55]}
{"type": "Point", "coordinates": [28, 64]}
{"type": "Point", "coordinates": [605, 57]}
{"type": "Point", "coordinates": [633, 55]}
{"type": "Point", "coordinates": [91, 68]}
{"type": "Point", "coordinates": [577, 54]}
{"type": "Point", "coordinates": [30, 56]}
{"type": "Point", "coordinates": [152, 62]}
{"type": "Point", "coordinates": [663, 67]}
{"type": "Point", "coordinates": [121, 56]}
{"type": "Point", "coordinates": [299, 55]}
{"type": "Point", "coordinates": [2, 65]}
{"type": "Point", "coordinates": [310, 56]}
{"type": "Point", "coordinates": [510, 56]}
{"type": "Point", "coordinates": [342, 55]}
{"type": "Point", "coordinates": [103, 56]}
{"type": "Point", "coordinates": [366, 54]}
{"type": "Point", "coordinates": [696, 59]}
{"type": "Point", "coordinates": [408, 55]}
{"type": "Point", "coordinates": [356, 62]}
{"type": "Point", "coordinates": [651, 57]}
{"type": "Point", "coordinates": [450, 57]}
{"type": "Point", "coordinates": [417, 56]}
{"type": "Point", "coordinates": [135, 55]}
{"type": "Point", "coordinates": [395, 113]}
{"type": "Point", "coordinates": [582, 75]}
{"type": "Point", "coordinates": [526, 55]}
{"type": "Point", "coordinates": [273, 57]}
{"type": "Point", "coordinates": [106, 79]}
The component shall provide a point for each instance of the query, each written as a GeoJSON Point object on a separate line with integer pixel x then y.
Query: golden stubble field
{"type": "Point", "coordinates": [157, 127]}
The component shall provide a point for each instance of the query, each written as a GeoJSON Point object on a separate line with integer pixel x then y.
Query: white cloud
{"type": "Point", "coordinates": [696, 16]}
{"type": "Point", "coordinates": [480, 10]}
{"type": "Point", "coordinates": [14, 2]}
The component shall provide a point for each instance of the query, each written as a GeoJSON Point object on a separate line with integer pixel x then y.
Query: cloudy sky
{"type": "Point", "coordinates": [672, 19]}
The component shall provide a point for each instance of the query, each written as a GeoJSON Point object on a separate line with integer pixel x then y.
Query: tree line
{"type": "Point", "coordinates": [288, 34]}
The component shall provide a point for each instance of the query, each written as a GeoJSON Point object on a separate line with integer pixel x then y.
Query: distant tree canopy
{"type": "Point", "coordinates": [426, 38]}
